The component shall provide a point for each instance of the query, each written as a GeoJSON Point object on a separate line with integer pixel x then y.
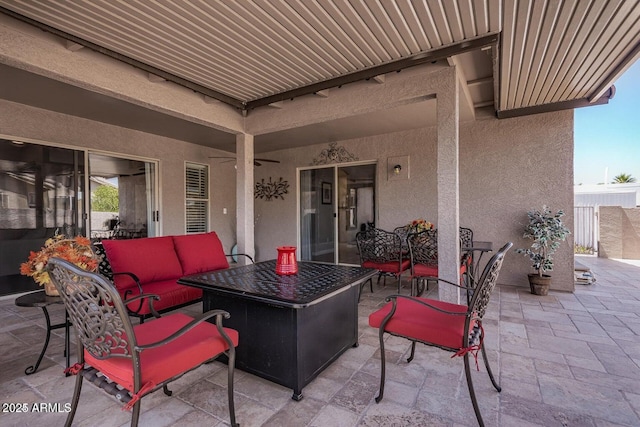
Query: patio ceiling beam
{"type": "Point", "coordinates": [140, 65]}
{"type": "Point", "coordinates": [556, 106]}
{"type": "Point", "coordinates": [373, 72]}
{"type": "Point", "coordinates": [464, 84]}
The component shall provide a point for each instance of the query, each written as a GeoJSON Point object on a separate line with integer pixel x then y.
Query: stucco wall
{"type": "Point", "coordinates": [37, 125]}
{"type": "Point", "coordinates": [507, 167]}
{"type": "Point", "coordinates": [619, 232]}
{"type": "Point", "coordinates": [501, 177]}
{"type": "Point", "coordinates": [510, 166]}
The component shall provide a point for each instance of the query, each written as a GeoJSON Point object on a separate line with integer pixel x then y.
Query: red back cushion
{"type": "Point", "coordinates": [151, 259]}
{"type": "Point", "coordinates": [200, 252]}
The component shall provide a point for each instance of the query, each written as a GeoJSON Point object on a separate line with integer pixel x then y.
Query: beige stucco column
{"type": "Point", "coordinates": [244, 195]}
{"type": "Point", "coordinates": [448, 187]}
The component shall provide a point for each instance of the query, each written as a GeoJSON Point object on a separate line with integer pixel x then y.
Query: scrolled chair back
{"type": "Point", "coordinates": [95, 309]}
{"type": "Point", "coordinates": [466, 237]}
{"type": "Point", "coordinates": [380, 246]}
{"type": "Point", "coordinates": [423, 247]}
{"type": "Point", "coordinates": [488, 280]}
{"type": "Point", "coordinates": [104, 267]}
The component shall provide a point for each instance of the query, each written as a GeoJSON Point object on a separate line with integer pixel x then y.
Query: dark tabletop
{"type": "Point", "coordinates": [37, 299]}
{"type": "Point", "coordinates": [313, 281]}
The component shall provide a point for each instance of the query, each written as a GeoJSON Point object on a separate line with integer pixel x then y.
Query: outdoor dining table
{"type": "Point", "coordinates": [291, 327]}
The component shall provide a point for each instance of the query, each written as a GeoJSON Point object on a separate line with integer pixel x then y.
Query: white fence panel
{"type": "Point", "coordinates": [585, 226]}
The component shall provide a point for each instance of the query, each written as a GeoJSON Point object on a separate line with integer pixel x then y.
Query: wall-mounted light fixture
{"type": "Point", "coordinates": [398, 168]}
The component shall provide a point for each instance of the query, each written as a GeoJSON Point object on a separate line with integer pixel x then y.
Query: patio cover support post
{"type": "Point", "coordinates": [448, 116]}
{"type": "Point", "coordinates": [244, 196]}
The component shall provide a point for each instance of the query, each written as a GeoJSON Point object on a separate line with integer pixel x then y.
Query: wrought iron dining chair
{"type": "Point", "coordinates": [450, 327]}
{"type": "Point", "coordinates": [466, 241]}
{"type": "Point", "coordinates": [423, 254]}
{"type": "Point", "coordinates": [382, 250]}
{"type": "Point", "coordinates": [127, 361]}
{"type": "Point", "coordinates": [403, 231]}
{"type": "Point", "coordinates": [466, 237]}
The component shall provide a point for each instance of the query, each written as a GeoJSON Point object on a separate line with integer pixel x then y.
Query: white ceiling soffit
{"type": "Point", "coordinates": [253, 49]}
{"type": "Point", "coordinates": [553, 54]}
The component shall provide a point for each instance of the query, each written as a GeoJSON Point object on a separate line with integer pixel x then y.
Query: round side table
{"type": "Point", "coordinates": [42, 300]}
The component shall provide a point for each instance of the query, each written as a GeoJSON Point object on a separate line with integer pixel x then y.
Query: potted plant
{"type": "Point", "coordinates": [546, 230]}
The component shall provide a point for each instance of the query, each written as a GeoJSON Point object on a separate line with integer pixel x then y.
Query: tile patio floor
{"type": "Point", "coordinates": [562, 360]}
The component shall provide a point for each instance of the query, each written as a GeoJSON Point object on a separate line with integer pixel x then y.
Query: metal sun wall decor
{"type": "Point", "coordinates": [270, 190]}
{"type": "Point", "coordinates": [334, 154]}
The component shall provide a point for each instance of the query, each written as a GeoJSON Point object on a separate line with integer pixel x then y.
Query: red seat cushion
{"type": "Point", "coordinates": [166, 361]}
{"type": "Point", "coordinates": [425, 324]}
{"type": "Point", "coordinates": [200, 252]}
{"type": "Point", "coordinates": [388, 267]}
{"type": "Point", "coordinates": [423, 270]}
{"type": "Point", "coordinates": [171, 295]}
{"type": "Point", "coordinates": [151, 259]}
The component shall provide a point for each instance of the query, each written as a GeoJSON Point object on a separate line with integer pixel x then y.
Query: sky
{"type": "Point", "coordinates": [607, 137]}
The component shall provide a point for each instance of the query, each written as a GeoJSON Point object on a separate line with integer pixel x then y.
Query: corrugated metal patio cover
{"type": "Point", "coordinates": [550, 51]}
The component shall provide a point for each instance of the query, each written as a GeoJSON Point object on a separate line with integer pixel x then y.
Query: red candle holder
{"type": "Point", "coordinates": [286, 262]}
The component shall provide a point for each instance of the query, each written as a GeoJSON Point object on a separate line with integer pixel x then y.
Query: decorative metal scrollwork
{"type": "Point", "coordinates": [484, 289]}
{"type": "Point", "coordinates": [334, 154]}
{"type": "Point", "coordinates": [91, 303]}
{"type": "Point", "coordinates": [270, 190]}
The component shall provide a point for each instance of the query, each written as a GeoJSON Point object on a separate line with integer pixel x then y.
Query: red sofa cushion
{"type": "Point", "coordinates": [151, 259]}
{"type": "Point", "coordinates": [171, 295]}
{"type": "Point", "coordinates": [414, 320]}
{"type": "Point", "coordinates": [200, 252]}
{"type": "Point", "coordinates": [164, 362]}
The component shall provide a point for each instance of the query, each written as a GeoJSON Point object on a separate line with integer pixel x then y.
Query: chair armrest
{"type": "Point", "coordinates": [219, 314]}
{"type": "Point", "coordinates": [133, 276]}
{"type": "Point", "coordinates": [127, 292]}
{"type": "Point", "coordinates": [248, 256]}
{"type": "Point", "coordinates": [149, 297]}
{"type": "Point", "coordinates": [445, 281]}
{"type": "Point", "coordinates": [421, 301]}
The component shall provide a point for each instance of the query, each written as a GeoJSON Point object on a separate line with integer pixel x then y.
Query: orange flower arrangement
{"type": "Point", "coordinates": [76, 250]}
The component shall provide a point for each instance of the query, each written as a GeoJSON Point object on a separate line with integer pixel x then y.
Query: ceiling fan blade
{"type": "Point", "coordinates": [256, 163]}
{"type": "Point", "coordinates": [269, 160]}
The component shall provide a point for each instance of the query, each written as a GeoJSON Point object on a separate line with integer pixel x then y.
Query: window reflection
{"type": "Point", "coordinates": [40, 193]}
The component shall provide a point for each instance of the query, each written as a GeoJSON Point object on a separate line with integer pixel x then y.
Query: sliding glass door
{"type": "Point", "coordinates": [335, 203]}
{"type": "Point", "coordinates": [356, 208]}
{"type": "Point", "coordinates": [317, 208]}
{"type": "Point", "coordinates": [123, 197]}
{"type": "Point", "coordinates": [41, 192]}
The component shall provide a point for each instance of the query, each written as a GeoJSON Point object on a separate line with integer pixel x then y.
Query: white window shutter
{"type": "Point", "coordinates": [197, 198]}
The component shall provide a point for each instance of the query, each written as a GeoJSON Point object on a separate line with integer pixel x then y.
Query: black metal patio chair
{"type": "Point", "coordinates": [451, 327]}
{"type": "Point", "coordinates": [128, 361]}
{"type": "Point", "coordinates": [423, 253]}
{"type": "Point", "coordinates": [382, 250]}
